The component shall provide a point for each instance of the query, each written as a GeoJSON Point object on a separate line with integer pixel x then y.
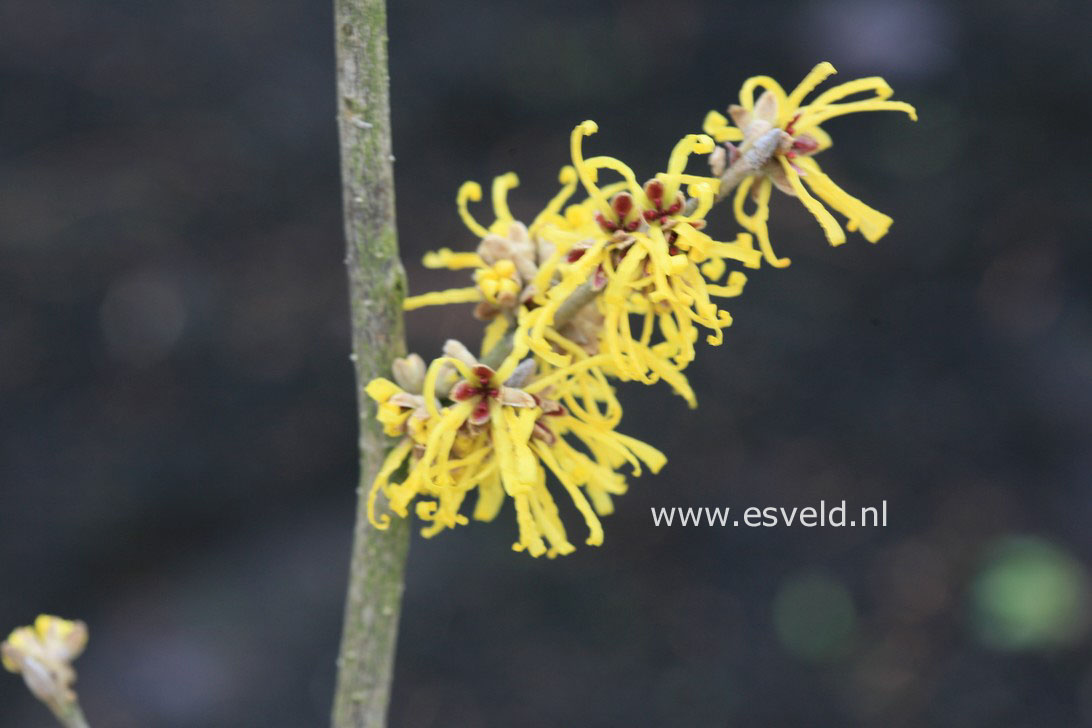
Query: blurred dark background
{"type": "Point", "coordinates": [177, 425]}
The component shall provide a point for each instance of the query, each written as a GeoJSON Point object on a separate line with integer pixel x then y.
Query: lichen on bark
{"type": "Point", "coordinates": [377, 286]}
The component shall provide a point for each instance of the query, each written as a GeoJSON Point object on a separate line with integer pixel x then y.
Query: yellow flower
{"type": "Point", "coordinates": [398, 403]}
{"type": "Point", "coordinates": [499, 284]}
{"type": "Point", "coordinates": [43, 654]}
{"type": "Point", "coordinates": [499, 436]}
{"type": "Point", "coordinates": [779, 135]}
{"type": "Point", "coordinates": [578, 414]}
{"type": "Point", "coordinates": [507, 257]}
{"type": "Point", "coordinates": [644, 248]}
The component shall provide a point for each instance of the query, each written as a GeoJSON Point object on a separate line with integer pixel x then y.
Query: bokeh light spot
{"type": "Point", "coordinates": [1030, 594]}
{"type": "Point", "coordinates": [814, 617]}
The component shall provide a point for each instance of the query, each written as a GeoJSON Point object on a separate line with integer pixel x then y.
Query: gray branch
{"type": "Point", "coordinates": [377, 286]}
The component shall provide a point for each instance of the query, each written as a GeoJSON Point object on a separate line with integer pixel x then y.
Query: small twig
{"type": "Point", "coordinates": [500, 351]}
{"type": "Point", "coordinates": [571, 306]}
{"type": "Point", "coordinates": [71, 716]}
{"type": "Point", "coordinates": [753, 159]}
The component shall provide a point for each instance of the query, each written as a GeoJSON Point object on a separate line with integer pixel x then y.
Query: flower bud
{"type": "Point", "coordinates": [43, 655]}
{"type": "Point", "coordinates": [409, 372]}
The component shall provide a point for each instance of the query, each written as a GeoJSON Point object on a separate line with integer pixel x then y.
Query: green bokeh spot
{"type": "Point", "coordinates": [814, 617]}
{"type": "Point", "coordinates": [1029, 594]}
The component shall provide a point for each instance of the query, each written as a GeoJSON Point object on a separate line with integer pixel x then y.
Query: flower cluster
{"type": "Point", "coordinates": [464, 426]}
{"type": "Point", "coordinates": [616, 285]}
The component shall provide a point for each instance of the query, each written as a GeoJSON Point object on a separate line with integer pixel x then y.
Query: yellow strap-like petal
{"type": "Point", "coordinates": [588, 175]}
{"type": "Point", "coordinates": [875, 84]}
{"type": "Point", "coordinates": [617, 165]}
{"type": "Point", "coordinates": [501, 185]}
{"type": "Point", "coordinates": [717, 126]}
{"type": "Point", "coordinates": [529, 537]}
{"type": "Point", "coordinates": [815, 77]}
{"type": "Point", "coordinates": [441, 298]}
{"type": "Point", "coordinates": [756, 222]}
{"type": "Point", "coordinates": [734, 287]}
{"type": "Point", "coordinates": [674, 378]}
{"type": "Point", "coordinates": [447, 258]}
{"type": "Point", "coordinates": [544, 316]}
{"type": "Point", "coordinates": [557, 376]}
{"type": "Point", "coordinates": [494, 332]}
{"type": "Point", "coordinates": [680, 155]}
{"type": "Point", "coordinates": [470, 191]}
{"type": "Point", "coordinates": [381, 389]}
{"type": "Point", "coordinates": [569, 180]}
{"type": "Point", "coordinates": [548, 519]}
{"type": "Point", "coordinates": [810, 118]}
{"type": "Point", "coordinates": [713, 268]}
{"type": "Point", "coordinates": [394, 459]}
{"type": "Point", "coordinates": [433, 463]}
{"type": "Point", "coordinates": [595, 528]}
{"type": "Point", "coordinates": [747, 92]}
{"type": "Point", "coordinates": [506, 455]}
{"type": "Point", "coordinates": [490, 496]}
{"type": "Point", "coordinates": [872, 223]}
{"type": "Point", "coordinates": [830, 226]}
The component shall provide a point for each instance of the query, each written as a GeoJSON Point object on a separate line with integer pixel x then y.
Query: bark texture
{"type": "Point", "coordinates": [377, 286]}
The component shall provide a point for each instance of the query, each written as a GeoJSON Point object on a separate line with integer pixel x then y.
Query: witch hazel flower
{"type": "Point", "coordinates": [779, 136]}
{"type": "Point", "coordinates": [496, 433]}
{"type": "Point", "coordinates": [483, 391]}
{"type": "Point", "coordinates": [643, 250]}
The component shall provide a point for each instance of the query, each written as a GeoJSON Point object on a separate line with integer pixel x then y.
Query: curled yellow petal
{"type": "Point", "coordinates": [569, 180]}
{"type": "Point", "coordinates": [588, 174]}
{"type": "Point", "coordinates": [680, 155]}
{"type": "Point", "coordinates": [717, 126]}
{"type": "Point", "coordinates": [394, 459]}
{"type": "Point", "coordinates": [501, 186]}
{"type": "Point", "coordinates": [747, 91]}
{"type": "Point", "coordinates": [756, 222]}
{"type": "Point", "coordinates": [470, 191]}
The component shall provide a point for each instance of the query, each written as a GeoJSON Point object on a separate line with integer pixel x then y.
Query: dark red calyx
{"type": "Point", "coordinates": [484, 373]}
{"type": "Point", "coordinates": [463, 391]}
{"type": "Point", "coordinates": [654, 188]}
{"type": "Point", "coordinates": [622, 204]}
{"type": "Point", "coordinates": [805, 144]}
{"type": "Point", "coordinates": [608, 225]}
{"type": "Point", "coordinates": [481, 412]}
